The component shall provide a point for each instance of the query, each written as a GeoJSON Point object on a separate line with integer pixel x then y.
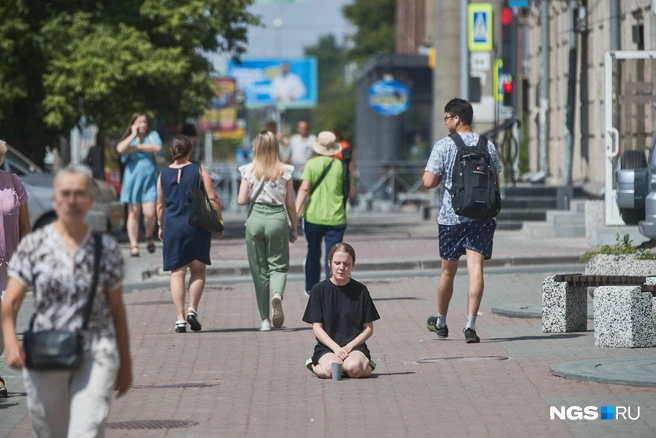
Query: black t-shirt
{"type": "Point", "coordinates": [342, 310]}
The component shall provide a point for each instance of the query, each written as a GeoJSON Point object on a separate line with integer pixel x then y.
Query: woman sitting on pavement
{"type": "Point", "coordinates": [342, 315]}
{"type": "Point", "coordinates": [267, 184]}
{"type": "Point", "coordinates": [184, 245]}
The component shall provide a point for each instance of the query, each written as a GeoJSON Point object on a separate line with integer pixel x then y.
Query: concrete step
{"type": "Point", "coordinates": [545, 230]}
{"type": "Point", "coordinates": [538, 190]}
{"type": "Point", "coordinates": [577, 205]}
{"type": "Point", "coordinates": [558, 218]}
{"type": "Point", "coordinates": [509, 225]}
{"type": "Point", "coordinates": [528, 203]}
{"type": "Point", "coordinates": [608, 235]}
{"type": "Point", "coordinates": [518, 214]}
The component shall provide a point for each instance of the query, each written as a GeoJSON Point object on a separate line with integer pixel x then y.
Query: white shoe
{"type": "Point", "coordinates": [265, 326]}
{"type": "Point", "coordinates": [278, 316]}
{"type": "Point", "coordinates": [307, 294]}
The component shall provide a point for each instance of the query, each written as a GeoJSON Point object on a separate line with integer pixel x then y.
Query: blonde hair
{"type": "Point", "coordinates": [3, 150]}
{"type": "Point", "coordinates": [341, 247]}
{"type": "Point", "coordinates": [266, 157]}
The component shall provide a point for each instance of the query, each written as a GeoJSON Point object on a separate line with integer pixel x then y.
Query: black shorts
{"type": "Point", "coordinates": [476, 236]}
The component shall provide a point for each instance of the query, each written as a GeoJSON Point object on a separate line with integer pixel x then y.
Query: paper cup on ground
{"type": "Point", "coordinates": [337, 371]}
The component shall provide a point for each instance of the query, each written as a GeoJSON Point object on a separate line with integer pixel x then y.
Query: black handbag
{"type": "Point", "coordinates": [61, 349]}
{"type": "Point", "coordinates": [201, 213]}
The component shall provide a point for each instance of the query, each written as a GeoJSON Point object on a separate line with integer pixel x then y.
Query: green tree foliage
{"type": "Point", "coordinates": [64, 61]}
{"type": "Point", "coordinates": [375, 27]}
{"type": "Point", "coordinates": [336, 106]}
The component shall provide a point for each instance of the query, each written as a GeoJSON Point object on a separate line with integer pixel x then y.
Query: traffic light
{"type": "Point", "coordinates": [508, 21]}
{"type": "Point", "coordinates": [508, 90]}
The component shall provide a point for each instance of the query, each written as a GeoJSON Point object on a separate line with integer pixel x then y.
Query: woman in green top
{"type": "Point", "coordinates": [325, 214]}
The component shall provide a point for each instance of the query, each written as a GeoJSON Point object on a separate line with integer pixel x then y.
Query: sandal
{"type": "Point", "coordinates": [150, 246]}
{"type": "Point", "coordinates": [192, 319]}
{"type": "Point", "coordinates": [134, 252]}
{"type": "Point", "coordinates": [3, 389]}
{"type": "Point", "coordinates": [181, 326]}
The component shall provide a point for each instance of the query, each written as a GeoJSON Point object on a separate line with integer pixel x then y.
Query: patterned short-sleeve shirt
{"type": "Point", "coordinates": [441, 161]}
{"type": "Point", "coordinates": [62, 280]}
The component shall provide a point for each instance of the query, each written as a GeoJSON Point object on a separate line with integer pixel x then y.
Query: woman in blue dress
{"type": "Point", "coordinates": [184, 245]}
{"type": "Point", "coordinates": [138, 148]}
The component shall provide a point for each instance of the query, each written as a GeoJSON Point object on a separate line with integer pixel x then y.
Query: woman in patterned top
{"type": "Point", "coordinates": [15, 224]}
{"type": "Point", "coordinates": [56, 262]}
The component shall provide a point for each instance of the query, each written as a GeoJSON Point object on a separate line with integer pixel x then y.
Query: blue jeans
{"type": "Point", "coordinates": [332, 234]}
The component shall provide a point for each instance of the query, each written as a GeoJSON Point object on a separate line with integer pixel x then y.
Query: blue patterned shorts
{"type": "Point", "coordinates": [476, 236]}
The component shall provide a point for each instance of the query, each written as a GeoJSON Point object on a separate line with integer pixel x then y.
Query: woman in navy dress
{"type": "Point", "coordinates": [138, 148]}
{"type": "Point", "coordinates": [184, 245]}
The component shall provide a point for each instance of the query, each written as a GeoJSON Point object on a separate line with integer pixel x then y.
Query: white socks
{"type": "Point", "coordinates": [441, 321]}
{"type": "Point", "coordinates": [471, 323]}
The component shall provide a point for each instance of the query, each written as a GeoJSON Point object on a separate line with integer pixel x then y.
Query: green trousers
{"type": "Point", "coordinates": [267, 244]}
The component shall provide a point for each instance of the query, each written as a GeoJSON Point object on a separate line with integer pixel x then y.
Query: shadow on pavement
{"type": "Point", "coordinates": [230, 330]}
{"type": "Point", "coordinates": [375, 375]}
{"type": "Point", "coordinates": [396, 298]}
{"type": "Point", "coordinates": [537, 338]}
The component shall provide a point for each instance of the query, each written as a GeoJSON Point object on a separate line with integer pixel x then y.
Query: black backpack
{"type": "Point", "coordinates": [474, 192]}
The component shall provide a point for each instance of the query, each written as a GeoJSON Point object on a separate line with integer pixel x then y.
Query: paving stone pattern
{"type": "Point", "coordinates": [256, 384]}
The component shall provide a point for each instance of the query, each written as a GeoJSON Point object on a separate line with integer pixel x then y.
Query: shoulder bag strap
{"type": "Point", "coordinates": [96, 273]}
{"type": "Point", "coordinates": [321, 178]}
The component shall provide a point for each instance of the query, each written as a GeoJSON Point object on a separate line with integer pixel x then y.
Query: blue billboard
{"type": "Point", "coordinates": [288, 84]}
{"type": "Point", "coordinates": [388, 97]}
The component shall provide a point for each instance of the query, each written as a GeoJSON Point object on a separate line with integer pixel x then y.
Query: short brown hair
{"type": "Point", "coordinates": [180, 147]}
{"type": "Point", "coordinates": [341, 247]}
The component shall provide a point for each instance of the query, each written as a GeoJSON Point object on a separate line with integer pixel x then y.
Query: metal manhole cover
{"type": "Point", "coordinates": [176, 385]}
{"type": "Point", "coordinates": [152, 424]}
{"type": "Point", "coordinates": [459, 359]}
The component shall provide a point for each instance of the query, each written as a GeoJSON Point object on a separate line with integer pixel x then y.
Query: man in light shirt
{"type": "Point", "coordinates": [287, 87]}
{"type": "Point", "coordinates": [300, 150]}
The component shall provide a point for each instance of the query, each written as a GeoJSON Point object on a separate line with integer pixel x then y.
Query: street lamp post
{"type": "Point", "coordinates": [277, 23]}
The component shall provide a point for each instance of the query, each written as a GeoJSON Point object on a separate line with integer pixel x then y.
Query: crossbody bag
{"type": "Point", "coordinates": [61, 349]}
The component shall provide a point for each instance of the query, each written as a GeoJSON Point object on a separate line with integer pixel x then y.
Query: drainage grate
{"type": "Point", "coordinates": [459, 359]}
{"type": "Point", "coordinates": [176, 385]}
{"type": "Point", "coordinates": [152, 424]}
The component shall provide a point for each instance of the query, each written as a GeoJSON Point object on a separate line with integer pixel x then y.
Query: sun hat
{"type": "Point", "coordinates": [326, 144]}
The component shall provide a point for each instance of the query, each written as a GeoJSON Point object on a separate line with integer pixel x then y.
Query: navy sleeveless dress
{"type": "Point", "coordinates": [182, 242]}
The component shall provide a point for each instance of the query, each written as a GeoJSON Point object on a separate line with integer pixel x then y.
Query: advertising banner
{"type": "Point", "coordinates": [221, 113]}
{"type": "Point", "coordinates": [388, 97]}
{"type": "Point", "coordinates": [287, 84]}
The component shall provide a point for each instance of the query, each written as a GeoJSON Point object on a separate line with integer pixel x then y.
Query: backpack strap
{"type": "Point", "coordinates": [455, 137]}
{"type": "Point", "coordinates": [482, 143]}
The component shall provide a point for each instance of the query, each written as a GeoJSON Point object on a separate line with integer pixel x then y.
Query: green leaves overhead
{"type": "Point", "coordinates": [68, 60]}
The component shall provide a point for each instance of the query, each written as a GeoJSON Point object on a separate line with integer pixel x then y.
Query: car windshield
{"type": "Point", "coordinates": [19, 164]}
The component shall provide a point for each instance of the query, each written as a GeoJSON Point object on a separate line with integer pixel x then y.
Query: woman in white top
{"type": "Point", "coordinates": [271, 224]}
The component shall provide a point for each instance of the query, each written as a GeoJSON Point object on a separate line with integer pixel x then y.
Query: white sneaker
{"type": "Point", "coordinates": [265, 326]}
{"type": "Point", "coordinates": [307, 294]}
{"type": "Point", "coordinates": [278, 316]}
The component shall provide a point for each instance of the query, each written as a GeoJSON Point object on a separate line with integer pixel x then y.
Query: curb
{"type": "Point", "coordinates": [526, 310]}
{"type": "Point", "coordinates": [634, 371]}
{"type": "Point", "coordinates": [242, 269]}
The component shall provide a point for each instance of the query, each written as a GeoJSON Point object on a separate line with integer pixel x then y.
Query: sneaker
{"type": "Point", "coordinates": [278, 317]}
{"type": "Point", "coordinates": [470, 336]}
{"type": "Point", "coordinates": [431, 324]}
{"type": "Point", "coordinates": [265, 326]}
{"type": "Point", "coordinates": [308, 365]}
{"type": "Point", "coordinates": [180, 326]}
{"type": "Point", "coordinates": [192, 319]}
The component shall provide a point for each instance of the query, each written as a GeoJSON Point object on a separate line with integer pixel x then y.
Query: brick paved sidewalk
{"type": "Point", "coordinates": [256, 384]}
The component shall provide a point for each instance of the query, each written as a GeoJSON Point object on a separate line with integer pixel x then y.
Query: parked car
{"type": "Point", "coordinates": [106, 214]}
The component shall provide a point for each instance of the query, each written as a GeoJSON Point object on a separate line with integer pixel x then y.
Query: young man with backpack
{"type": "Point", "coordinates": [469, 166]}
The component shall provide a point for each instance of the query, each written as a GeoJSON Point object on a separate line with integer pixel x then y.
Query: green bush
{"type": "Point", "coordinates": [623, 246]}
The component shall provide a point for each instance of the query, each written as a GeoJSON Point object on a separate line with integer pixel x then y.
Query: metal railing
{"type": "Point", "coordinates": [393, 183]}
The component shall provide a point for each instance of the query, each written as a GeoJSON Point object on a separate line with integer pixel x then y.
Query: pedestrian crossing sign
{"type": "Point", "coordinates": [479, 32]}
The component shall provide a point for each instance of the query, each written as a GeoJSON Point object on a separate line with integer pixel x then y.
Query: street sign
{"type": "Point", "coordinates": [497, 80]}
{"type": "Point", "coordinates": [479, 32]}
{"type": "Point", "coordinates": [480, 61]}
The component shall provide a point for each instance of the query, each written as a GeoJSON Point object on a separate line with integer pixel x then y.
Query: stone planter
{"type": "Point", "coordinates": [628, 264]}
